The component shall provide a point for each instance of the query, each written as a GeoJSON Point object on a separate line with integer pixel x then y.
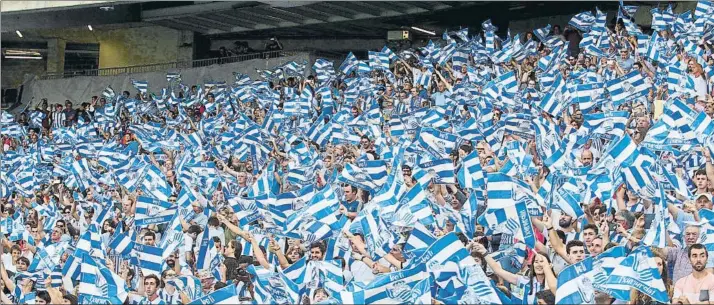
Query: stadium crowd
{"type": "Point", "coordinates": [570, 167]}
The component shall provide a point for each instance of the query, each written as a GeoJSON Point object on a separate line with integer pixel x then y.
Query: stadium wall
{"type": "Point", "coordinates": [320, 44]}
{"type": "Point", "coordinates": [126, 46]}
{"type": "Point", "coordinates": [81, 89]}
{"type": "Point", "coordinates": [117, 48]}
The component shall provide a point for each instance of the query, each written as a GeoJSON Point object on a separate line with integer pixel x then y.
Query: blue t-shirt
{"type": "Point", "coordinates": [626, 64]}
{"type": "Point", "coordinates": [353, 206]}
{"type": "Point", "coordinates": [683, 219]}
{"type": "Point", "coordinates": [439, 99]}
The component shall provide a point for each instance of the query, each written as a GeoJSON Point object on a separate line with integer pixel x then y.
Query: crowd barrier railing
{"type": "Point", "coordinates": [169, 65]}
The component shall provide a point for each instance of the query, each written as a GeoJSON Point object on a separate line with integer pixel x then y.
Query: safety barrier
{"type": "Point", "coordinates": [168, 66]}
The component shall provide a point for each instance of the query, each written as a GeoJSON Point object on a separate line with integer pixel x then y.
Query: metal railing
{"type": "Point", "coordinates": [169, 65]}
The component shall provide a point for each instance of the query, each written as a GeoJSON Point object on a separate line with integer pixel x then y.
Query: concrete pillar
{"type": "Point", "coordinates": [185, 47]}
{"type": "Point", "coordinates": [55, 55]}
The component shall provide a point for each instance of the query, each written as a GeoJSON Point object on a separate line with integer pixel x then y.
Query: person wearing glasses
{"type": "Point", "coordinates": [168, 292]}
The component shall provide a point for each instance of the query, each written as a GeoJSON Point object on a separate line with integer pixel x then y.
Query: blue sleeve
{"type": "Point", "coordinates": [682, 218]}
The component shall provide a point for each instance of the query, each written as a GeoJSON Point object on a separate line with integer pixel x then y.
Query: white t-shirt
{"type": "Point", "coordinates": [700, 86]}
{"type": "Point", "coordinates": [217, 232]}
{"type": "Point", "coordinates": [7, 262]}
{"type": "Point", "coordinates": [29, 255]}
{"type": "Point", "coordinates": [187, 246]}
{"type": "Point", "coordinates": [361, 272]}
{"type": "Point", "coordinates": [519, 289]}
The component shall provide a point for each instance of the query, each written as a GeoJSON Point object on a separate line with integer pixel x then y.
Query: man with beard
{"type": "Point", "coordinates": [679, 257]}
{"type": "Point", "coordinates": [698, 287]}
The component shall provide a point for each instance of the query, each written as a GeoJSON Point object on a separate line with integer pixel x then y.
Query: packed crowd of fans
{"type": "Point", "coordinates": [548, 167]}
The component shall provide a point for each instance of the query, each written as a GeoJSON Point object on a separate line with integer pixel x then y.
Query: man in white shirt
{"type": "Point", "coordinates": [9, 260]}
{"type": "Point", "coordinates": [215, 230]}
{"type": "Point", "coordinates": [200, 218]}
{"type": "Point", "coordinates": [189, 245]}
{"type": "Point", "coordinates": [361, 272]}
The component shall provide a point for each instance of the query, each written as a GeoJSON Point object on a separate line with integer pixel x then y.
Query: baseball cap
{"type": "Point", "coordinates": [709, 196]}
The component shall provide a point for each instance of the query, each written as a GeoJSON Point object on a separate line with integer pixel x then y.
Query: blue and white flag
{"type": "Point", "coordinates": [639, 270]}
{"type": "Point", "coordinates": [100, 285]}
{"type": "Point", "coordinates": [357, 177]}
{"type": "Point", "coordinates": [154, 183]}
{"type": "Point", "coordinates": [554, 99]}
{"type": "Point", "coordinates": [587, 96]}
{"type": "Point", "coordinates": [628, 87]}
{"type": "Point", "coordinates": [447, 250]}
{"type": "Point", "coordinates": [48, 257]}
{"type": "Point", "coordinates": [190, 285]}
{"type": "Point", "coordinates": [441, 171]}
{"type": "Point", "coordinates": [150, 259]}
{"type": "Point", "coordinates": [226, 295]}
{"type": "Point", "coordinates": [142, 86]}
{"type": "Point", "coordinates": [575, 284]}
{"type": "Point", "coordinates": [419, 240]}
{"type": "Point", "coordinates": [376, 169]}
{"type": "Point", "coordinates": [603, 265]}
{"type": "Point", "coordinates": [471, 175]}
{"type": "Point", "coordinates": [173, 76]}
{"type": "Point", "coordinates": [582, 21]}
{"type": "Point", "coordinates": [437, 143]}
{"type": "Point", "coordinates": [379, 238]}
{"type": "Point", "coordinates": [413, 206]}
{"type": "Point", "coordinates": [607, 125]}
{"type": "Point", "coordinates": [657, 234]}
{"type": "Point", "coordinates": [121, 242]}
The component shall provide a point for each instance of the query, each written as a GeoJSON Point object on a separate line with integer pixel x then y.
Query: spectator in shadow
{"type": "Point", "coordinates": [573, 37]}
{"type": "Point", "coordinates": [223, 52]}
{"type": "Point", "coordinates": [273, 45]}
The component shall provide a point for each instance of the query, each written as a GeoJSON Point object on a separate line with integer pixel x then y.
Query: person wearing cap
{"type": "Point", "coordinates": [689, 212]}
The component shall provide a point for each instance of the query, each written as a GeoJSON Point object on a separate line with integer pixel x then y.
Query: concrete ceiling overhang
{"type": "Point", "coordinates": [221, 18]}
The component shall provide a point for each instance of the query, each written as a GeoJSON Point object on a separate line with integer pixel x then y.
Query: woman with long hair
{"type": "Point", "coordinates": [540, 277]}
{"type": "Point", "coordinates": [639, 298]}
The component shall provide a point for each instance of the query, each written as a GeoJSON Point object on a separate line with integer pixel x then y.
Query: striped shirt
{"type": "Point", "coordinates": [145, 301]}
{"type": "Point", "coordinates": [169, 298]}
{"type": "Point", "coordinates": [637, 207]}
{"type": "Point", "coordinates": [58, 119]}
